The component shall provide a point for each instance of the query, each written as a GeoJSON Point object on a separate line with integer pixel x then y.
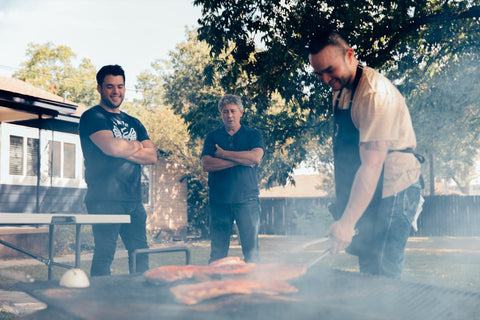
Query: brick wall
{"type": "Point", "coordinates": [167, 214]}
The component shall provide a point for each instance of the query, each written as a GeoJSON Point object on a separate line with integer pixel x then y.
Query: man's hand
{"type": "Point", "coordinates": [147, 154]}
{"type": "Point", "coordinates": [114, 147]}
{"type": "Point", "coordinates": [249, 158]}
{"type": "Point", "coordinates": [372, 156]}
{"type": "Point", "coordinates": [219, 152]}
{"type": "Point", "coordinates": [341, 234]}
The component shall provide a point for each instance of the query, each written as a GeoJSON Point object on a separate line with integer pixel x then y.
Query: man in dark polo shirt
{"type": "Point", "coordinates": [231, 155]}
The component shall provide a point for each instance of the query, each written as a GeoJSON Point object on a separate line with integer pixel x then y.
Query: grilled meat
{"type": "Point", "coordinates": [169, 274]}
{"type": "Point", "coordinates": [198, 292]}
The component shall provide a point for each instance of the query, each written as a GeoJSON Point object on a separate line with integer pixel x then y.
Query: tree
{"type": "Point", "coordinates": [195, 82]}
{"type": "Point", "coordinates": [267, 40]}
{"type": "Point", "coordinates": [150, 86]}
{"type": "Point", "coordinates": [169, 133]}
{"type": "Point", "coordinates": [51, 68]}
{"type": "Point", "coordinates": [437, 75]}
{"type": "Point", "coordinates": [447, 116]}
{"type": "Point", "coordinates": [191, 84]}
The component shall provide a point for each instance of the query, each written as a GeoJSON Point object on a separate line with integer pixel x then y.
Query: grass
{"type": "Point", "coordinates": [442, 261]}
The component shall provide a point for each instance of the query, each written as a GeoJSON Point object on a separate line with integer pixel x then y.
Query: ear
{"type": "Point", "coordinates": [99, 89]}
{"type": "Point", "coordinates": [350, 55]}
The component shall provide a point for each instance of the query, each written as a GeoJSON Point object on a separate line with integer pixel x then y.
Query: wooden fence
{"type": "Point", "coordinates": [444, 215]}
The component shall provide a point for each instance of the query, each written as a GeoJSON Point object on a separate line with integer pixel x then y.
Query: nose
{"type": "Point", "coordinates": [325, 78]}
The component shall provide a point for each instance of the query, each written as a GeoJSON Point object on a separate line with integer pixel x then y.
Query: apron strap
{"type": "Point", "coordinates": [419, 157]}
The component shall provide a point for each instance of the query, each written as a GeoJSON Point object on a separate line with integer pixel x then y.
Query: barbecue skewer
{"type": "Point", "coordinates": [309, 244]}
{"type": "Point", "coordinates": [322, 255]}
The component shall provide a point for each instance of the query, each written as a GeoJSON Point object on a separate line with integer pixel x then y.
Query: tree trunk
{"type": "Point", "coordinates": [431, 159]}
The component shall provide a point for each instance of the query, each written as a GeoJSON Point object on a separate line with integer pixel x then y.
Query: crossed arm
{"type": "Point", "coordinates": [372, 156]}
{"type": "Point", "coordinates": [226, 159]}
{"type": "Point", "coordinates": [141, 152]}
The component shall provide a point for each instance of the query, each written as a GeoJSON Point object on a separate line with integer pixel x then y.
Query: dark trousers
{"type": "Point", "coordinates": [247, 217]}
{"type": "Point", "coordinates": [105, 236]}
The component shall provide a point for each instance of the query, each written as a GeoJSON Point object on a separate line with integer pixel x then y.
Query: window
{"type": "Point", "coordinates": [145, 180]}
{"type": "Point", "coordinates": [54, 159]}
{"type": "Point", "coordinates": [69, 160]}
{"type": "Point", "coordinates": [23, 157]}
{"type": "Point", "coordinates": [61, 159]}
{"type": "Point", "coordinates": [16, 156]}
{"type": "Point", "coordinates": [33, 156]}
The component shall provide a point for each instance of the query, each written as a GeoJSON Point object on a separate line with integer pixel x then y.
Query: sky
{"type": "Point", "coordinates": [131, 33]}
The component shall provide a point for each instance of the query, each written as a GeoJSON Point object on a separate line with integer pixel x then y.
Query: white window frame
{"type": "Point", "coordinates": [47, 180]}
{"type": "Point", "coordinates": [7, 130]}
{"type": "Point", "coordinates": [147, 171]}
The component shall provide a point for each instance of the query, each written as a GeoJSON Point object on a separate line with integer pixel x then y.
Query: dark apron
{"type": "Point", "coordinates": [346, 154]}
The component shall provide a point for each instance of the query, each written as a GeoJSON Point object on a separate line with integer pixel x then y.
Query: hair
{"type": "Point", "coordinates": [114, 70]}
{"type": "Point", "coordinates": [326, 38]}
{"type": "Point", "coordinates": [230, 99]}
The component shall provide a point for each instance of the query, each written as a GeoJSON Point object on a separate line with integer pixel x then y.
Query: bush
{"type": "Point", "coordinates": [64, 241]}
{"type": "Point", "coordinates": [313, 223]}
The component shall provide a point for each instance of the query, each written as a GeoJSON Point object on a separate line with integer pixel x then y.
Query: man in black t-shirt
{"type": "Point", "coordinates": [114, 146]}
{"type": "Point", "coordinates": [231, 155]}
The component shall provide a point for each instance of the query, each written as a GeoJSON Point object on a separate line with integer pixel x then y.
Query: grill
{"type": "Point", "coordinates": [323, 294]}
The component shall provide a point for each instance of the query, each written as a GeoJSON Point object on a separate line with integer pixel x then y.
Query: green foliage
{"type": "Point", "coordinates": [408, 40]}
{"type": "Point", "coordinates": [64, 237]}
{"type": "Point", "coordinates": [188, 79]}
{"type": "Point", "coordinates": [51, 68]}
{"type": "Point", "coordinates": [169, 132]}
{"type": "Point", "coordinates": [150, 86]}
{"type": "Point", "coordinates": [7, 316]}
{"type": "Point", "coordinates": [313, 223]}
{"type": "Point", "coordinates": [446, 113]}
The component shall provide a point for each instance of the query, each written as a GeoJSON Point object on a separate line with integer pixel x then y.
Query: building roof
{"type": "Point", "coordinates": [306, 186]}
{"type": "Point", "coordinates": [25, 88]}
{"type": "Point", "coordinates": [21, 101]}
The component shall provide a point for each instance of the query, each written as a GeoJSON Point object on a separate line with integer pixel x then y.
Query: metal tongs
{"type": "Point", "coordinates": [311, 243]}
{"type": "Point", "coordinates": [320, 257]}
{"type": "Point", "coordinates": [308, 244]}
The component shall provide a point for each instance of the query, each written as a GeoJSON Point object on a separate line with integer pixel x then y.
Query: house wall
{"type": "Point", "coordinates": [167, 200]}
{"type": "Point", "coordinates": [62, 192]}
{"type": "Point", "coordinates": [23, 199]}
{"type": "Point", "coordinates": [167, 218]}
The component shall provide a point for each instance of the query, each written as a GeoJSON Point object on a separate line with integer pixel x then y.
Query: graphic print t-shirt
{"type": "Point", "coordinates": [110, 178]}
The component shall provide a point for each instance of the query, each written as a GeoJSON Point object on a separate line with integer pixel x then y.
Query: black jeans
{"type": "Point", "coordinates": [247, 217]}
{"type": "Point", "coordinates": [105, 236]}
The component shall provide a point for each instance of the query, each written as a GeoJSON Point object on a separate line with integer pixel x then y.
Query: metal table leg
{"type": "Point", "coordinates": [159, 250]}
{"type": "Point", "coordinates": [77, 245]}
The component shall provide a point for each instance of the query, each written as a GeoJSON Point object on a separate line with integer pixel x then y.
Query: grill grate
{"type": "Point", "coordinates": [323, 294]}
{"type": "Point", "coordinates": [384, 298]}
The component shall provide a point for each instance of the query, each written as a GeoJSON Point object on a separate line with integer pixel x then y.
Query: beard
{"type": "Point", "coordinates": [109, 104]}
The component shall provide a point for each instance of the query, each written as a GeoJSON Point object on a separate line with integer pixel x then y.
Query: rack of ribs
{"type": "Point", "coordinates": [222, 267]}
{"type": "Point", "coordinates": [224, 277]}
{"type": "Point", "coordinates": [198, 292]}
